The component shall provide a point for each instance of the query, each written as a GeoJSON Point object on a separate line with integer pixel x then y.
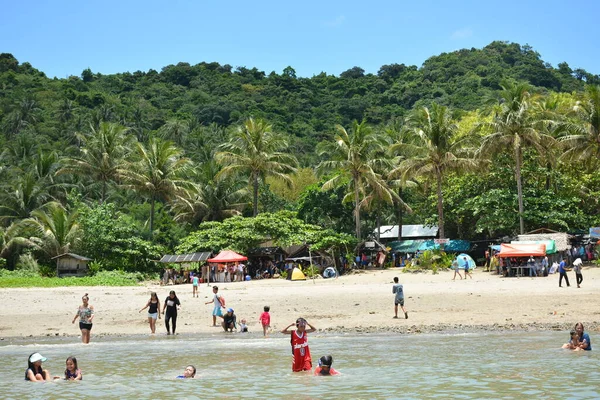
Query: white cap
{"type": "Point", "coordinates": [37, 357]}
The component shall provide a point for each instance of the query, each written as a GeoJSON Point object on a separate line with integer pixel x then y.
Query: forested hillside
{"type": "Point", "coordinates": [124, 166]}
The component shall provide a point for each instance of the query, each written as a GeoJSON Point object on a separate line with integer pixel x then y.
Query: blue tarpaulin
{"type": "Point", "coordinates": [453, 246]}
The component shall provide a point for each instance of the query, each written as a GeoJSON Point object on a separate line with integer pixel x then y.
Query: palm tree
{"type": "Point", "coordinates": [212, 199]}
{"type": "Point", "coordinates": [19, 200]}
{"type": "Point", "coordinates": [10, 237]}
{"type": "Point", "coordinates": [515, 126]}
{"type": "Point", "coordinates": [55, 229]}
{"type": "Point", "coordinates": [352, 160]}
{"type": "Point", "coordinates": [399, 134]}
{"type": "Point", "coordinates": [102, 155]}
{"type": "Point", "coordinates": [434, 150]}
{"type": "Point", "coordinates": [255, 151]}
{"type": "Point", "coordinates": [160, 173]}
{"type": "Point", "coordinates": [175, 130]}
{"type": "Point", "coordinates": [582, 142]}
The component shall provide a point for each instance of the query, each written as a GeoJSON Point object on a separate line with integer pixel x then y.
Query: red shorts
{"type": "Point", "coordinates": [303, 364]}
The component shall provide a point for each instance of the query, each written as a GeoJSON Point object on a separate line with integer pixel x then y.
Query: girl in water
{"type": "Point", "coordinates": [35, 372]}
{"type": "Point", "coordinates": [85, 313]}
{"type": "Point", "coordinates": [72, 372]}
{"type": "Point", "coordinates": [189, 372]}
{"type": "Point", "coordinates": [171, 306]}
{"type": "Point", "coordinates": [153, 306]}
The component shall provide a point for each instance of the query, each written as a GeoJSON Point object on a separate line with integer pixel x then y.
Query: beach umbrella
{"type": "Point", "coordinates": [461, 261]}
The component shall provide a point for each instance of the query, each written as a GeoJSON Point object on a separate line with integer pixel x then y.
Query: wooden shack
{"type": "Point", "coordinates": [69, 264]}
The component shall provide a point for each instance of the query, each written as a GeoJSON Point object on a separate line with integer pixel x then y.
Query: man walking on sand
{"type": "Point", "coordinates": [398, 290]}
{"type": "Point", "coordinates": [563, 272]}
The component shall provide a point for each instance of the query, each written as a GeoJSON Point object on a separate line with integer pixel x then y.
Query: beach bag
{"type": "Point", "coordinates": [222, 301]}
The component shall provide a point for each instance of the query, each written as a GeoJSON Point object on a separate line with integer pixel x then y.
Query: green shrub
{"type": "Point", "coordinates": [24, 278]}
{"type": "Point", "coordinates": [311, 271]}
{"type": "Point", "coordinates": [27, 263]}
{"type": "Point", "coordinates": [430, 260]}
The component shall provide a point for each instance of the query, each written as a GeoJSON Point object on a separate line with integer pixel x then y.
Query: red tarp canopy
{"type": "Point", "coordinates": [522, 250]}
{"type": "Point", "coordinates": [227, 256]}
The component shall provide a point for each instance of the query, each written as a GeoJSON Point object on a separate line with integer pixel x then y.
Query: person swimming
{"type": "Point", "coordinates": [325, 368]}
{"type": "Point", "coordinates": [188, 372]}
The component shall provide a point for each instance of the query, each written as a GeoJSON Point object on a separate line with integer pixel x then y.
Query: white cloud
{"type": "Point", "coordinates": [334, 23]}
{"type": "Point", "coordinates": [462, 34]}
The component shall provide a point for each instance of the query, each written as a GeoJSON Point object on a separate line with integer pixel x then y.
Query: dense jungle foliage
{"type": "Point", "coordinates": [123, 168]}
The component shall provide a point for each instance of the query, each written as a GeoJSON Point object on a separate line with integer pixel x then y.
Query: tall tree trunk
{"type": "Point", "coordinates": [152, 216]}
{"type": "Point", "coordinates": [255, 196]}
{"type": "Point", "coordinates": [548, 175]}
{"type": "Point", "coordinates": [103, 195]}
{"type": "Point", "coordinates": [357, 210]}
{"type": "Point", "coordinates": [378, 223]}
{"type": "Point", "coordinates": [440, 204]}
{"type": "Point", "coordinates": [400, 215]}
{"type": "Point", "coordinates": [519, 189]}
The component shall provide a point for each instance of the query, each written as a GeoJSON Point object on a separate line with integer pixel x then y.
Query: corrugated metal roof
{"type": "Point", "coordinates": [185, 258]}
{"type": "Point", "coordinates": [408, 231]}
{"type": "Point", "coordinates": [72, 255]}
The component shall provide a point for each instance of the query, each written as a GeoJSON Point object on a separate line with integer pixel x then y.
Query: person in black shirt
{"type": "Point", "coordinates": [171, 305]}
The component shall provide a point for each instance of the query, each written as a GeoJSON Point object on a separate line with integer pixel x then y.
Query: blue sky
{"type": "Point", "coordinates": [63, 38]}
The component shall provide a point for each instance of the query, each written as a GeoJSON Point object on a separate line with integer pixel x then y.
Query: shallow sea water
{"type": "Point", "coordinates": [466, 366]}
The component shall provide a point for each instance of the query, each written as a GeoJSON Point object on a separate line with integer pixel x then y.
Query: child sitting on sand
{"type": "Point", "coordinates": [243, 326]}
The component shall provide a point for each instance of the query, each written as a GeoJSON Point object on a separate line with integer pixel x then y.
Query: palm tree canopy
{"type": "Point", "coordinates": [254, 150]}
{"type": "Point", "coordinates": [160, 171]}
{"type": "Point", "coordinates": [55, 228]}
{"type": "Point", "coordinates": [515, 125]}
{"type": "Point", "coordinates": [350, 157]}
{"type": "Point", "coordinates": [582, 142]}
{"type": "Point", "coordinates": [102, 155]}
{"type": "Point", "coordinates": [433, 146]}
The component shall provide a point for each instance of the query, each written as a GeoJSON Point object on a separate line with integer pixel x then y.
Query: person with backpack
{"type": "Point", "coordinates": [219, 302]}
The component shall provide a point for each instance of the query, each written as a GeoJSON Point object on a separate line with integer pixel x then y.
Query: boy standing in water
{"type": "Point", "coordinates": [301, 360]}
{"type": "Point", "coordinates": [398, 290]}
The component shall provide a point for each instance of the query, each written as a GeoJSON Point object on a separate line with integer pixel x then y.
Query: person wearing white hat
{"type": "Point", "coordinates": [35, 372]}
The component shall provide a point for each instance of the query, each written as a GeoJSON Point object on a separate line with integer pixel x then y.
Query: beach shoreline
{"type": "Point", "coordinates": [360, 303]}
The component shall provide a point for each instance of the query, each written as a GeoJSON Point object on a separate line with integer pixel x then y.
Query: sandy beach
{"type": "Point", "coordinates": [361, 302]}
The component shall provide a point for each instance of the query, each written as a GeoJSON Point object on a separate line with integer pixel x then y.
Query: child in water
{"type": "Point", "coordinates": [72, 372]}
{"type": "Point", "coordinates": [301, 360]}
{"type": "Point", "coordinates": [325, 367]}
{"type": "Point", "coordinates": [265, 320]}
{"type": "Point", "coordinates": [188, 372]}
{"type": "Point", "coordinates": [574, 343]}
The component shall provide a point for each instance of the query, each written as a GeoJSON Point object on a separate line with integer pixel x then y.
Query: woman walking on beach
{"type": "Point", "coordinates": [153, 307]}
{"type": "Point", "coordinates": [85, 313]}
{"type": "Point", "coordinates": [171, 305]}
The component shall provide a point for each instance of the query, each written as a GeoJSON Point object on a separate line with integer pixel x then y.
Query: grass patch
{"type": "Point", "coordinates": [14, 279]}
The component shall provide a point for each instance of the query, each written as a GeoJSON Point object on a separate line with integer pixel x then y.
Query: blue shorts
{"type": "Point", "coordinates": [153, 315]}
{"type": "Point", "coordinates": [217, 311]}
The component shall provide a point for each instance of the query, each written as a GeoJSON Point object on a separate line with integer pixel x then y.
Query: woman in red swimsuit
{"type": "Point", "coordinates": [301, 360]}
